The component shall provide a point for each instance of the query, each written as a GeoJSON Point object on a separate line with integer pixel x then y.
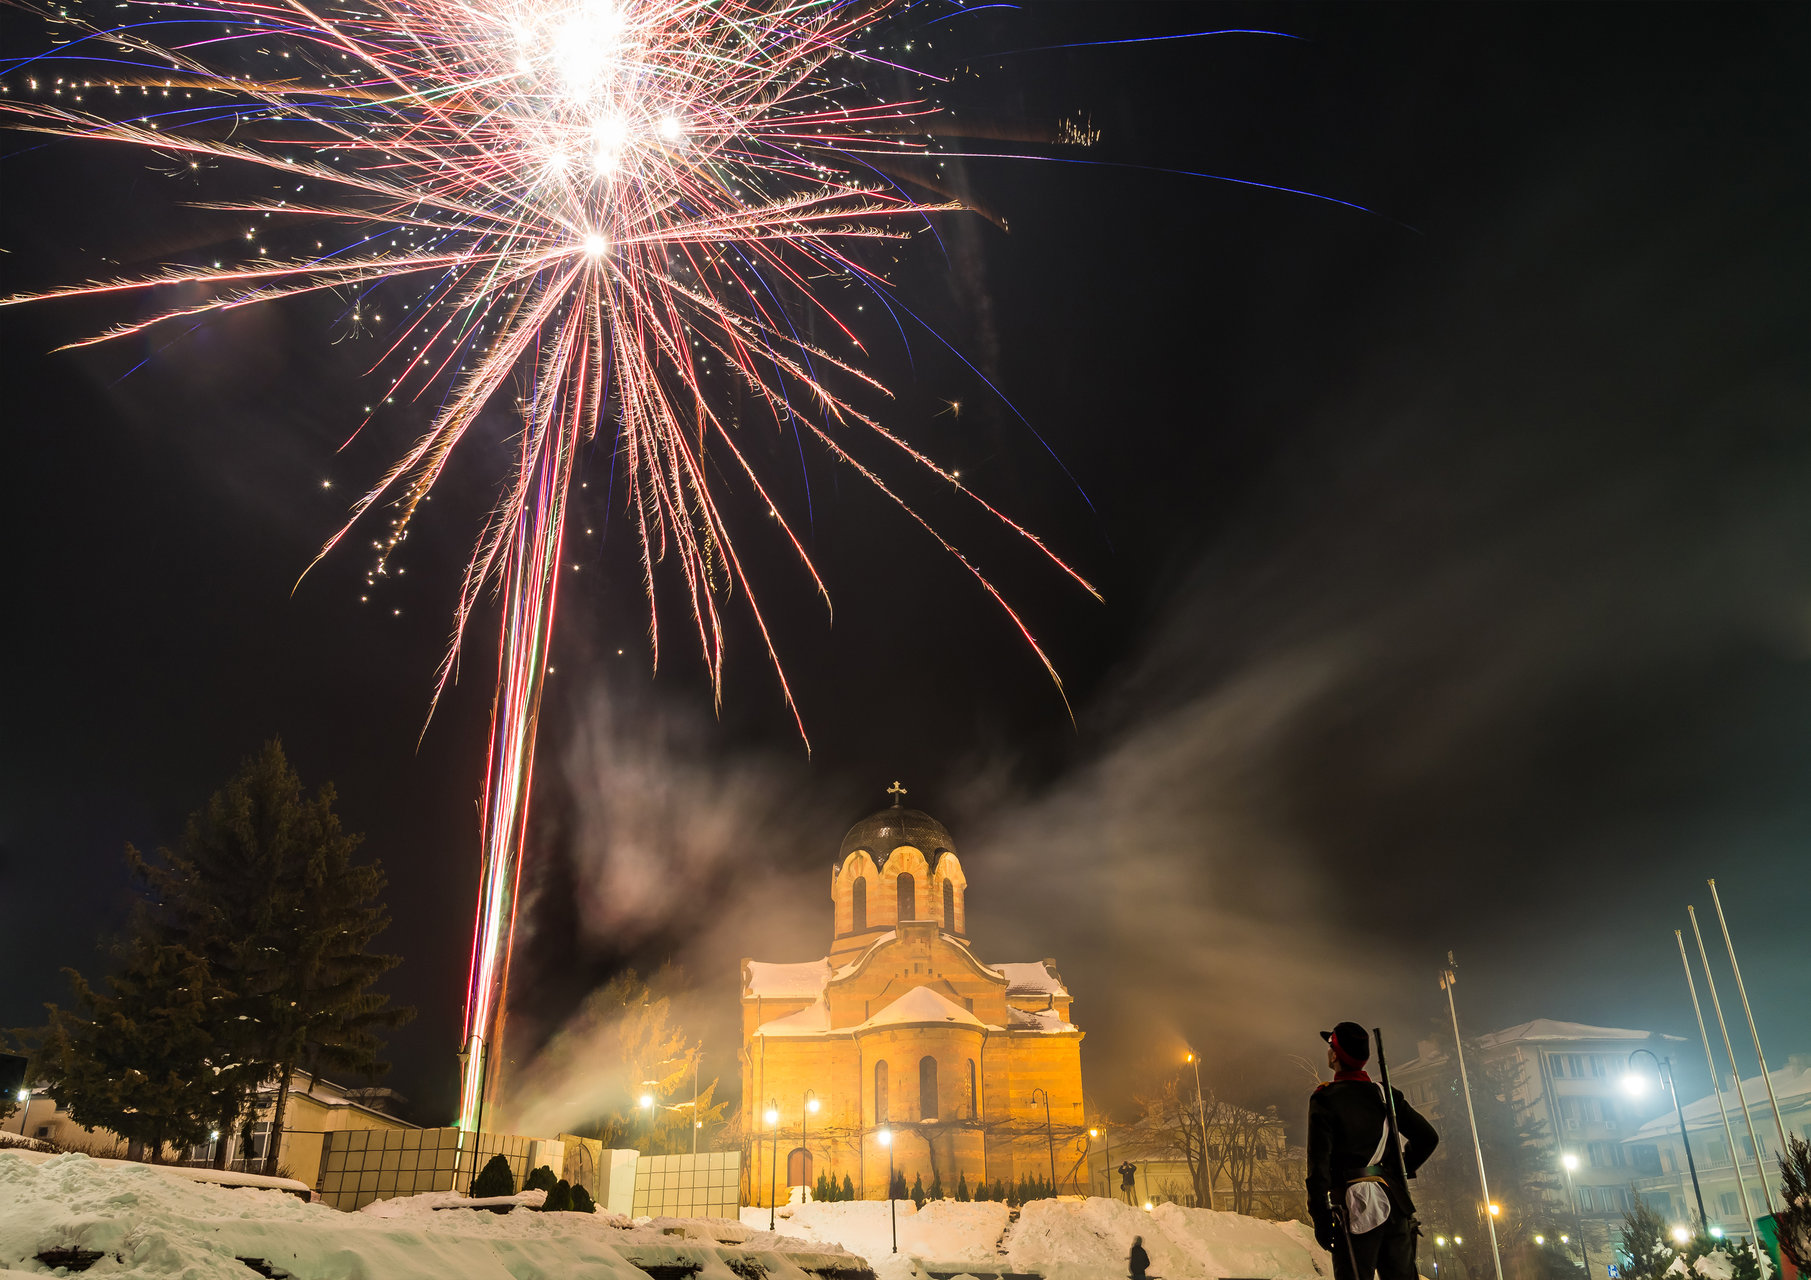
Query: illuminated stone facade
{"type": "Point", "coordinates": [972, 1069]}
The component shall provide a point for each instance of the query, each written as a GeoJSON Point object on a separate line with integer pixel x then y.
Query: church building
{"type": "Point", "coordinates": [901, 1041]}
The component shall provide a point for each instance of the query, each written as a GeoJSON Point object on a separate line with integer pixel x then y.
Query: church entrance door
{"type": "Point", "coordinates": [798, 1168]}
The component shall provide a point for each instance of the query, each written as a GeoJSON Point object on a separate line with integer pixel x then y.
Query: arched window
{"type": "Point", "coordinates": [927, 1088]}
{"type": "Point", "coordinates": [908, 896]}
{"type": "Point", "coordinates": [949, 906]}
{"type": "Point", "coordinates": [798, 1167]}
{"type": "Point", "coordinates": [859, 905]}
{"type": "Point", "coordinates": [974, 1097]}
{"type": "Point", "coordinates": [880, 1093]}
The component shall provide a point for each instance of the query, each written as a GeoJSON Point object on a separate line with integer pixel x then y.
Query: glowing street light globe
{"type": "Point", "coordinates": [1634, 1084]}
{"type": "Point", "coordinates": [647, 1100]}
{"type": "Point", "coordinates": [1570, 1161]}
{"type": "Point", "coordinates": [811, 1105]}
{"type": "Point", "coordinates": [1496, 1210]}
{"type": "Point", "coordinates": [773, 1117]}
{"type": "Point", "coordinates": [1681, 1235]}
{"type": "Point", "coordinates": [884, 1137]}
{"type": "Point", "coordinates": [1540, 1239]}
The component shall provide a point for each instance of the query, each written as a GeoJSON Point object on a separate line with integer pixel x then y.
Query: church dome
{"type": "Point", "coordinates": [881, 833]}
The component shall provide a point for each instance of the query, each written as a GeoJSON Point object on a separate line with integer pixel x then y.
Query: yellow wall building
{"type": "Point", "coordinates": [973, 1070]}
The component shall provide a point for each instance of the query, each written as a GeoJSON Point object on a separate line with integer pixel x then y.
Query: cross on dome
{"type": "Point", "coordinates": [897, 792]}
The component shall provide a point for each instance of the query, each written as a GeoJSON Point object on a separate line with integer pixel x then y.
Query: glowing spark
{"type": "Point", "coordinates": [440, 141]}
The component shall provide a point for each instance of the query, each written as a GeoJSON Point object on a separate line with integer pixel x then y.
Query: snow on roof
{"type": "Point", "coordinates": [1044, 1021]}
{"type": "Point", "coordinates": [787, 981]}
{"type": "Point", "coordinates": [1791, 1085]}
{"type": "Point", "coordinates": [921, 1004]}
{"type": "Point", "coordinates": [1553, 1029]}
{"type": "Point", "coordinates": [813, 1019]}
{"type": "Point", "coordinates": [881, 940]}
{"type": "Point", "coordinates": [1031, 978]}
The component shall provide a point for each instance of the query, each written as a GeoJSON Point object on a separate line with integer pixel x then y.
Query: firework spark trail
{"type": "Point", "coordinates": [594, 199]}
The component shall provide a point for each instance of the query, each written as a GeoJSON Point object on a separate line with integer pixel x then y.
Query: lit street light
{"type": "Point", "coordinates": [1637, 1085]}
{"type": "Point", "coordinates": [805, 1134]}
{"type": "Point", "coordinates": [885, 1138]}
{"type": "Point", "coordinates": [1207, 1167]}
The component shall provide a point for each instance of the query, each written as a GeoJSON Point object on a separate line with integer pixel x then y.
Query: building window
{"type": "Point", "coordinates": [858, 903]}
{"type": "Point", "coordinates": [949, 907]}
{"type": "Point", "coordinates": [927, 1088]}
{"type": "Point", "coordinates": [1587, 1200]}
{"type": "Point", "coordinates": [908, 896]}
{"type": "Point", "coordinates": [974, 1095]}
{"type": "Point", "coordinates": [1730, 1207]}
{"type": "Point", "coordinates": [880, 1093]}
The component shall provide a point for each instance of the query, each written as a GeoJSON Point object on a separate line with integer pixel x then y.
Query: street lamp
{"type": "Point", "coordinates": [1049, 1133]}
{"type": "Point", "coordinates": [1107, 1173]}
{"type": "Point", "coordinates": [885, 1138]}
{"type": "Point", "coordinates": [1207, 1167]}
{"type": "Point", "coordinates": [1569, 1161]}
{"type": "Point", "coordinates": [1637, 1085]}
{"type": "Point", "coordinates": [773, 1161]}
{"type": "Point", "coordinates": [1439, 1244]}
{"type": "Point", "coordinates": [805, 1133]}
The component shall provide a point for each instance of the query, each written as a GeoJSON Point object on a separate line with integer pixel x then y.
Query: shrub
{"type": "Point", "coordinates": [559, 1200]}
{"type": "Point", "coordinates": [582, 1201]}
{"type": "Point", "coordinates": [541, 1179]}
{"type": "Point", "coordinates": [848, 1188]}
{"type": "Point", "coordinates": [494, 1179]}
{"type": "Point", "coordinates": [936, 1191]}
{"type": "Point", "coordinates": [962, 1188]}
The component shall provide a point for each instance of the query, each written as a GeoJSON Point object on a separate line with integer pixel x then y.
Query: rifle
{"type": "Point", "coordinates": [1395, 1141]}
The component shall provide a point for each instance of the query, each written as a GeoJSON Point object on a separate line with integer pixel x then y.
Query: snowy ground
{"type": "Point", "coordinates": [147, 1223]}
{"type": "Point", "coordinates": [1069, 1239]}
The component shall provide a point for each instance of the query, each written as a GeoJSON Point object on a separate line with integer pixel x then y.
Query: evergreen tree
{"type": "Point", "coordinates": [936, 1191]}
{"type": "Point", "coordinates": [818, 1191]}
{"type": "Point", "coordinates": [559, 1200]}
{"type": "Point", "coordinates": [962, 1188]}
{"type": "Point", "coordinates": [139, 1058]}
{"type": "Point", "coordinates": [1645, 1248]}
{"type": "Point", "coordinates": [898, 1190]}
{"type": "Point", "coordinates": [982, 1192]}
{"type": "Point", "coordinates": [263, 886]}
{"type": "Point", "coordinates": [582, 1201]}
{"type": "Point", "coordinates": [1794, 1217]}
{"type": "Point", "coordinates": [848, 1188]}
{"type": "Point", "coordinates": [918, 1190]}
{"type": "Point", "coordinates": [494, 1179]}
{"type": "Point", "coordinates": [541, 1179]}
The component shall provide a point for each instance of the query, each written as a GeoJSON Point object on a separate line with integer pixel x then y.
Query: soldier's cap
{"type": "Point", "coordinates": [1351, 1044]}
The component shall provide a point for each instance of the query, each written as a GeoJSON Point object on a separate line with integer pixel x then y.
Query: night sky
{"type": "Point", "coordinates": [1456, 558]}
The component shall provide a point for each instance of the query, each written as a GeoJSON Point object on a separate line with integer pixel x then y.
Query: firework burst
{"type": "Point", "coordinates": [592, 198]}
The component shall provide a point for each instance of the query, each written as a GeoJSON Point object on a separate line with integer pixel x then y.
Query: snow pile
{"type": "Point", "coordinates": [1070, 1239]}
{"type": "Point", "coordinates": [148, 1224]}
{"type": "Point", "coordinates": [1067, 1239]}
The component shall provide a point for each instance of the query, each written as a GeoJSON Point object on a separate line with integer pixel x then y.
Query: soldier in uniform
{"type": "Point", "coordinates": [1357, 1196]}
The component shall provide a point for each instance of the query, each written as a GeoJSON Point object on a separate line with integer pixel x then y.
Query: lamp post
{"type": "Point", "coordinates": [1106, 1137]}
{"type": "Point", "coordinates": [697, 1124]}
{"type": "Point", "coordinates": [805, 1133]}
{"type": "Point", "coordinates": [1570, 1162]}
{"type": "Point", "coordinates": [885, 1138]}
{"type": "Point", "coordinates": [647, 1128]}
{"type": "Point", "coordinates": [1207, 1165]}
{"type": "Point", "coordinates": [1049, 1133]}
{"type": "Point", "coordinates": [1439, 1244]}
{"type": "Point", "coordinates": [773, 1161]}
{"type": "Point", "coordinates": [1663, 1067]}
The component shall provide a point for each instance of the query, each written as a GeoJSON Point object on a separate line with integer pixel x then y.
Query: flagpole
{"type": "Point", "coordinates": [1716, 1005]}
{"type": "Point", "coordinates": [1446, 984]}
{"type": "Point", "coordinates": [1716, 1085]}
{"type": "Point", "coordinates": [1760, 1057]}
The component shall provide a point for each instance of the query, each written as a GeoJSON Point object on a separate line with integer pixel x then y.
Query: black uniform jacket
{"type": "Point", "coordinates": [1343, 1126]}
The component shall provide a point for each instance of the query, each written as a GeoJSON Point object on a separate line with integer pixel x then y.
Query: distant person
{"type": "Point", "coordinates": [1126, 1173]}
{"type": "Point", "coordinates": [1138, 1260]}
{"type": "Point", "coordinates": [1357, 1196]}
